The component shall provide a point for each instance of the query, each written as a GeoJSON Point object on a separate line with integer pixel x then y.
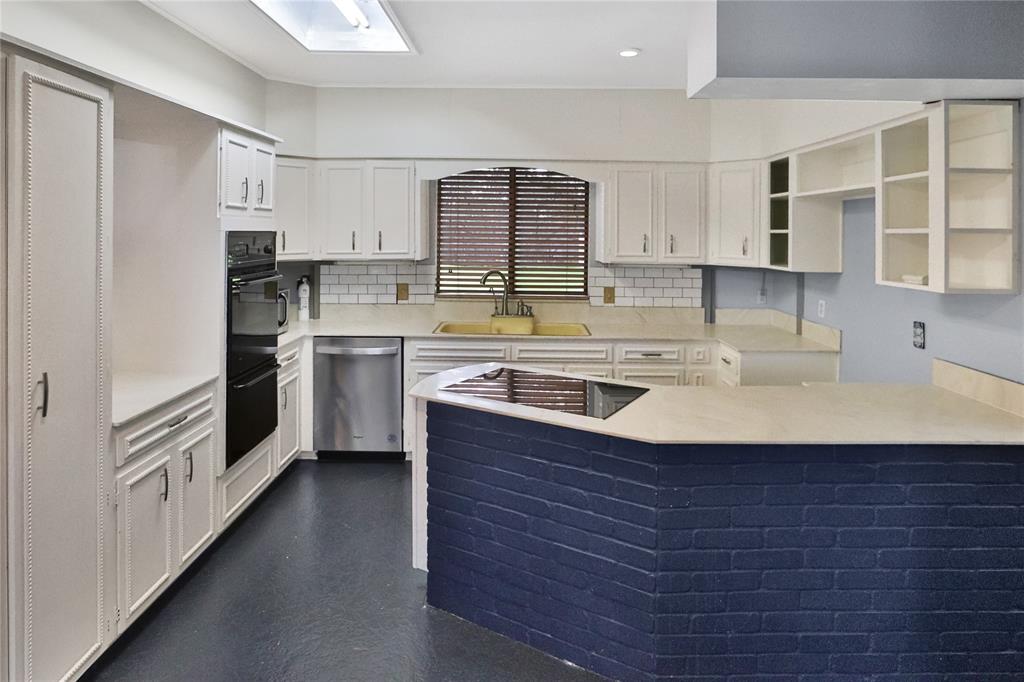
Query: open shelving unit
{"type": "Point", "coordinates": [778, 213]}
{"type": "Point", "coordinates": [947, 216]}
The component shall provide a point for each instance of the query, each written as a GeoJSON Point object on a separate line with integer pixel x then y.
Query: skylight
{"type": "Point", "coordinates": [337, 25]}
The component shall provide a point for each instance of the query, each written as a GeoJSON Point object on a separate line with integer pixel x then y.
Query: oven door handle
{"type": "Point", "coordinates": [253, 382]}
{"type": "Point", "coordinates": [333, 350]}
{"type": "Point", "coordinates": [242, 282]}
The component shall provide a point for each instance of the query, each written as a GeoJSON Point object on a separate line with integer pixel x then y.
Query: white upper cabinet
{"type": "Point", "coordinates": [682, 214]}
{"type": "Point", "coordinates": [263, 177]}
{"type": "Point", "coordinates": [246, 175]}
{"type": "Point", "coordinates": [631, 215]}
{"type": "Point", "coordinates": [653, 213]}
{"type": "Point", "coordinates": [342, 198]}
{"type": "Point", "coordinates": [294, 206]}
{"type": "Point", "coordinates": [367, 212]}
{"type": "Point", "coordinates": [59, 137]}
{"type": "Point", "coordinates": [390, 221]}
{"type": "Point", "coordinates": [734, 213]}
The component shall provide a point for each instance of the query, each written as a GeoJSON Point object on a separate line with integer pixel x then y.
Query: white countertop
{"type": "Point", "coordinates": [135, 393]}
{"type": "Point", "coordinates": [415, 321]}
{"type": "Point", "coordinates": [816, 413]}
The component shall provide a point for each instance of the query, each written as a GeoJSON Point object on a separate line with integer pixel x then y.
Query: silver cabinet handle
{"type": "Point", "coordinates": [671, 243]}
{"type": "Point", "coordinates": [45, 381]}
{"type": "Point", "coordinates": [727, 361]}
{"type": "Point", "coordinates": [177, 422]}
{"type": "Point", "coordinates": [644, 246]}
{"type": "Point", "coordinates": [259, 200]}
{"type": "Point", "coordinates": [191, 466]}
{"type": "Point", "coordinates": [333, 350]}
{"type": "Point", "coordinates": [284, 240]}
{"type": "Point", "coordinates": [284, 398]}
{"type": "Point", "coordinates": [650, 355]}
{"type": "Point", "coordinates": [745, 240]}
{"type": "Point", "coordinates": [380, 240]}
{"type": "Point", "coordinates": [245, 191]}
{"type": "Point", "coordinates": [163, 475]}
{"type": "Point", "coordinates": [353, 240]}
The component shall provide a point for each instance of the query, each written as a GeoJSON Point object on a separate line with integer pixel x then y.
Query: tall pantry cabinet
{"type": "Point", "coordinates": [59, 505]}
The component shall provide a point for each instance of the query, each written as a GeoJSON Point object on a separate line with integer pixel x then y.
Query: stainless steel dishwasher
{"type": "Point", "coordinates": [357, 394]}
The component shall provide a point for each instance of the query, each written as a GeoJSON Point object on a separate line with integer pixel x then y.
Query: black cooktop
{"type": "Point", "coordinates": [585, 397]}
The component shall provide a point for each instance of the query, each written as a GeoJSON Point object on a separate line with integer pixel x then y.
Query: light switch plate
{"type": "Point", "coordinates": [821, 308]}
{"type": "Point", "coordinates": [918, 334]}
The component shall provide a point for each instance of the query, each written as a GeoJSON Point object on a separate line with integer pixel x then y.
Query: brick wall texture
{"type": "Point", "coordinates": [719, 562]}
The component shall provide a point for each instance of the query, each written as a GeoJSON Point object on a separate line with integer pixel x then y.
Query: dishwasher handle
{"type": "Point", "coordinates": [338, 350]}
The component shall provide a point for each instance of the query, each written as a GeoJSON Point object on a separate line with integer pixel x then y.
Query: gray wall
{"type": "Point", "coordinates": [985, 332]}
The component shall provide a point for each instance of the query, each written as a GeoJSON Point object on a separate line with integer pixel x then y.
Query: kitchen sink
{"type": "Point", "coordinates": [539, 329]}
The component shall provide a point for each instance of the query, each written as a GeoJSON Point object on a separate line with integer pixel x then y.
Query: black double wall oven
{"type": "Point", "coordinates": [256, 311]}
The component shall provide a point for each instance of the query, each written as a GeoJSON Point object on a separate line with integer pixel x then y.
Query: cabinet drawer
{"type": "Point", "coordinates": [239, 485]}
{"type": "Point", "coordinates": [288, 358]}
{"type": "Point", "coordinates": [471, 351]}
{"type": "Point", "coordinates": [659, 375]}
{"type": "Point", "coordinates": [161, 425]}
{"type": "Point", "coordinates": [729, 362]}
{"type": "Point", "coordinates": [562, 352]}
{"type": "Point", "coordinates": [699, 354]}
{"type": "Point", "coordinates": [651, 352]}
{"type": "Point", "coordinates": [597, 371]}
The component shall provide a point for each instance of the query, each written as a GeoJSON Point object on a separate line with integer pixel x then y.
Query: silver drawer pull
{"type": "Point", "coordinates": [177, 422]}
{"type": "Point", "coordinates": [727, 361]}
{"type": "Point", "coordinates": [650, 355]}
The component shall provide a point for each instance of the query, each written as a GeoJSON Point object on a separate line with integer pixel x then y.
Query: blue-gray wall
{"type": "Point", "coordinates": [985, 332]}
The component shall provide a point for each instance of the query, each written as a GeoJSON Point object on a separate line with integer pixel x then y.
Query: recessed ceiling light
{"type": "Point", "coordinates": [629, 52]}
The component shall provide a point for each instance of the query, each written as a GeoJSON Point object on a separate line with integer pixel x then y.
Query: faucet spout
{"type": "Point", "coordinates": [504, 290]}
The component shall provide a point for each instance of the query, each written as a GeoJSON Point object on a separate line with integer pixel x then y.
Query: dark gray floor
{"type": "Point", "coordinates": [316, 584]}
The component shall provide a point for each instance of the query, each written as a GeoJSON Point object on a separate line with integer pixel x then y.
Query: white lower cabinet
{"type": "Point", "coordinates": [196, 517]}
{"type": "Point", "coordinates": [165, 516]}
{"type": "Point", "coordinates": [288, 419]}
{"type": "Point", "coordinates": [240, 484]}
{"type": "Point", "coordinates": [144, 533]}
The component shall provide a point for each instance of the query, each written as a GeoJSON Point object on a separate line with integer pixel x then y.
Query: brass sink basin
{"type": "Point", "coordinates": [539, 329]}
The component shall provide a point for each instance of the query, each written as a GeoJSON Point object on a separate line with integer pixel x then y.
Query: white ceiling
{"type": "Point", "coordinates": [467, 43]}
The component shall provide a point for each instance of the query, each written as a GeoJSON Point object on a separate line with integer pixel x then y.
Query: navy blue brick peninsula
{"type": "Point", "coordinates": [660, 562]}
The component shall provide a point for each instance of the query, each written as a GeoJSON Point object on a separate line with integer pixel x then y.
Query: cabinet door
{"type": "Point", "coordinates": [58, 389]}
{"type": "Point", "coordinates": [343, 216]}
{"type": "Point", "coordinates": [663, 376]}
{"type": "Point", "coordinates": [236, 153]}
{"type": "Point", "coordinates": [391, 203]}
{"type": "Point", "coordinates": [293, 202]}
{"type": "Point", "coordinates": [631, 215]}
{"type": "Point", "coordinates": [262, 178]}
{"type": "Point", "coordinates": [288, 431]}
{"type": "Point", "coordinates": [734, 213]}
{"type": "Point", "coordinates": [682, 215]}
{"type": "Point", "coordinates": [196, 454]}
{"type": "Point", "coordinates": [144, 533]}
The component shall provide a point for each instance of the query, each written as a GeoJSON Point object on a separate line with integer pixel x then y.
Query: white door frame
{"type": "Point", "coordinates": [4, 615]}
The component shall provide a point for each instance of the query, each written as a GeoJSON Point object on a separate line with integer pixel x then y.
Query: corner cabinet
{"type": "Point", "coordinates": [294, 209]}
{"type": "Point", "coordinates": [247, 165]}
{"type": "Point", "coordinates": [653, 213]}
{"type": "Point", "coordinates": [59, 141]}
{"type": "Point", "coordinates": [734, 213]}
{"type": "Point", "coordinates": [948, 213]}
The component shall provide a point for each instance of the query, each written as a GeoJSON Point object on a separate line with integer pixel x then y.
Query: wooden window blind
{"type": "Point", "coordinates": [530, 224]}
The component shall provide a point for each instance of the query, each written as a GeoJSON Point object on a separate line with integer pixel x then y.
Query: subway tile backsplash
{"type": "Point", "coordinates": [668, 287]}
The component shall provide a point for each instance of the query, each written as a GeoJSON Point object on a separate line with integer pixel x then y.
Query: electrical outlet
{"type": "Point", "coordinates": [821, 308]}
{"type": "Point", "coordinates": [609, 295]}
{"type": "Point", "coordinates": [918, 334]}
{"type": "Point", "coordinates": [402, 291]}
{"type": "Point", "coordinates": [762, 296]}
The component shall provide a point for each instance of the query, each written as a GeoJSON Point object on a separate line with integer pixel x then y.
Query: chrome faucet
{"type": "Point", "coordinates": [504, 291]}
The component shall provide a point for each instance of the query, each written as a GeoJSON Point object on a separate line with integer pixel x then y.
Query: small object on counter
{"type": "Point", "coordinates": [303, 298]}
{"type": "Point", "coordinates": [915, 279]}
